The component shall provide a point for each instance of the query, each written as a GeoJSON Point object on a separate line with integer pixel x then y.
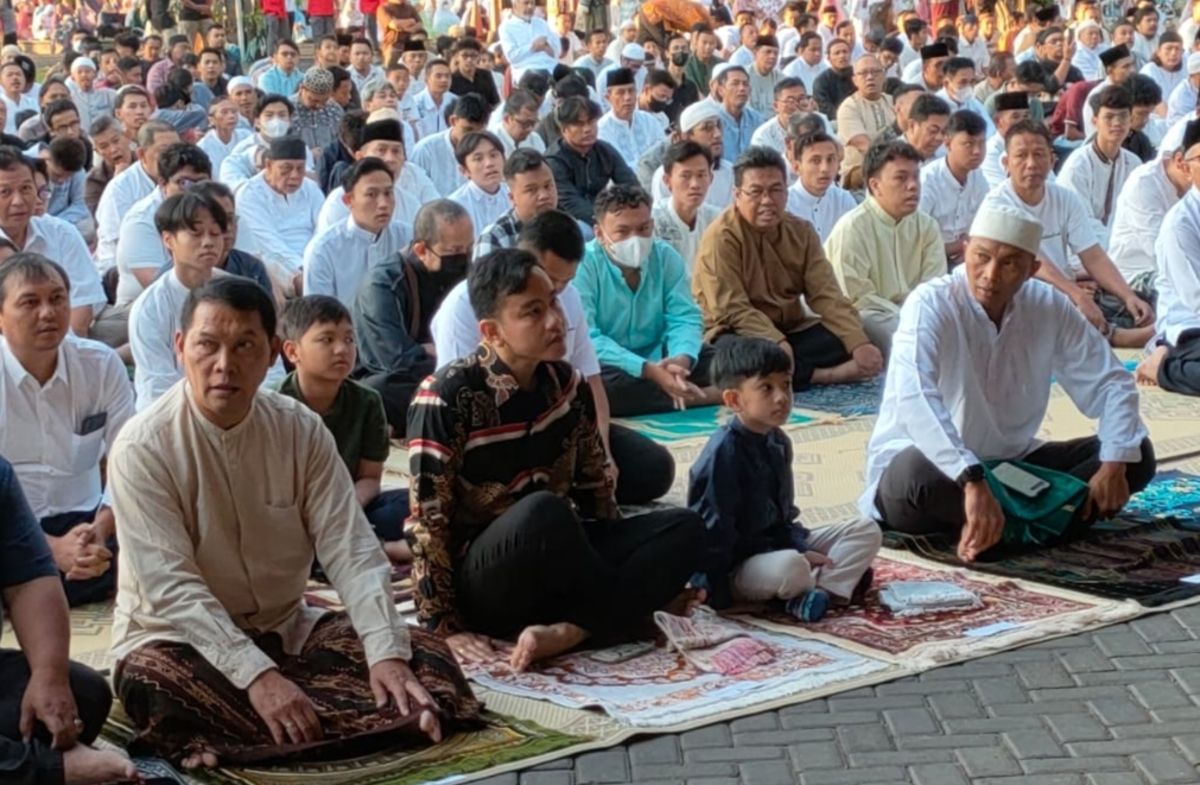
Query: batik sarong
{"type": "Point", "coordinates": [181, 705]}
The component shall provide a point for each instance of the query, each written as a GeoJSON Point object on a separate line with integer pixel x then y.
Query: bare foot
{"type": "Point", "coordinates": [398, 552]}
{"type": "Point", "coordinates": [1147, 370]}
{"type": "Point", "coordinates": [1132, 338]}
{"type": "Point", "coordinates": [839, 374]}
{"type": "Point", "coordinates": [83, 765]}
{"type": "Point", "coordinates": [542, 641]}
{"type": "Point", "coordinates": [686, 602]}
{"type": "Point", "coordinates": [206, 759]}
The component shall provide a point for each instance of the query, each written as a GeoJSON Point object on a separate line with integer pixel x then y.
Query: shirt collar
{"type": "Point", "coordinates": [357, 232]}
{"type": "Point", "coordinates": [14, 369]}
{"type": "Point", "coordinates": [738, 427]}
{"type": "Point", "coordinates": [501, 382]}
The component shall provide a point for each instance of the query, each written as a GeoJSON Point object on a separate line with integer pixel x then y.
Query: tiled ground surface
{"type": "Point", "coordinates": [1120, 706]}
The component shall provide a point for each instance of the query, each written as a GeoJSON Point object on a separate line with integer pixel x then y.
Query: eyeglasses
{"type": "Point", "coordinates": [757, 194]}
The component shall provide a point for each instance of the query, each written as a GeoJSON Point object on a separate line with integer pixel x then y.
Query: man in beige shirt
{"type": "Point", "coordinates": [861, 117]}
{"type": "Point", "coordinates": [225, 495]}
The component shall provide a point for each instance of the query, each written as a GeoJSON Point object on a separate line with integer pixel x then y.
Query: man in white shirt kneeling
{"type": "Point", "coordinates": [969, 381]}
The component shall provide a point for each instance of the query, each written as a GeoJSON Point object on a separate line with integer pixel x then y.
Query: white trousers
{"type": "Point", "coordinates": [782, 575]}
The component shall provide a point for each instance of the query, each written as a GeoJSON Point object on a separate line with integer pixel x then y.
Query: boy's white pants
{"type": "Point", "coordinates": [786, 574]}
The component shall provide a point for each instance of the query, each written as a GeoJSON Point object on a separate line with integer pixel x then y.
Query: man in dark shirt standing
{"type": "Point", "coordinates": [397, 302]}
{"type": "Point", "coordinates": [582, 164]}
{"type": "Point", "coordinates": [62, 704]}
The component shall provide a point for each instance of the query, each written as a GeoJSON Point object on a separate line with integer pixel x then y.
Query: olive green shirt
{"type": "Point", "coordinates": [356, 421]}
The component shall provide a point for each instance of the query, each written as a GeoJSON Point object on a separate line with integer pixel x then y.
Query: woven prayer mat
{"type": "Point", "coordinates": [1172, 420]}
{"type": "Point", "coordinates": [649, 686]}
{"type": "Point", "coordinates": [1012, 613]}
{"type": "Point", "coordinates": [697, 423]}
{"type": "Point", "coordinates": [845, 400]}
{"type": "Point", "coordinates": [505, 742]}
{"type": "Point", "coordinates": [91, 635]}
{"type": "Point", "coordinates": [1142, 560]}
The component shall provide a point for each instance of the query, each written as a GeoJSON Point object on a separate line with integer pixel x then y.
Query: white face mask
{"type": "Point", "coordinates": [632, 252]}
{"type": "Point", "coordinates": [276, 128]}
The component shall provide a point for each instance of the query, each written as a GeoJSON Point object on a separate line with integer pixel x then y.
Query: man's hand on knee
{"type": "Point", "coordinates": [287, 711]}
{"type": "Point", "coordinates": [984, 521]}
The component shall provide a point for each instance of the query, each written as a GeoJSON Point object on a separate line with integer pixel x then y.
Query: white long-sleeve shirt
{"type": "Point", "coordinates": [1067, 227]}
{"type": "Point", "coordinates": [456, 333]}
{"type": "Point", "coordinates": [1141, 207]}
{"type": "Point", "coordinates": [532, 142]}
{"type": "Point", "coordinates": [951, 204]}
{"type": "Point", "coordinates": [435, 155]}
{"type": "Point", "coordinates": [430, 117]}
{"type": "Point", "coordinates": [1181, 103]}
{"type": "Point", "coordinates": [800, 69]}
{"type": "Point", "coordinates": [413, 189]}
{"type": "Point", "coordinates": [992, 169]}
{"type": "Point", "coordinates": [220, 527]}
{"type": "Point", "coordinates": [59, 467]}
{"type": "Point", "coordinates": [216, 150]}
{"type": "Point", "coordinates": [483, 207]}
{"type": "Point", "coordinates": [962, 391]}
{"type": "Point", "coordinates": [1088, 62]}
{"type": "Point", "coordinates": [720, 190]}
{"type": "Point", "coordinates": [61, 242]}
{"type": "Point", "coordinates": [631, 137]}
{"type": "Point", "coordinates": [971, 104]}
{"type": "Point", "coordinates": [275, 227]}
{"type": "Point", "coordinates": [119, 196]}
{"type": "Point", "coordinates": [1167, 80]}
{"type": "Point", "coordinates": [1178, 254]}
{"type": "Point", "coordinates": [140, 246]}
{"type": "Point", "coordinates": [239, 164]}
{"type": "Point", "coordinates": [337, 260]}
{"type": "Point", "coordinates": [516, 40]}
{"type": "Point", "coordinates": [672, 230]}
{"type": "Point", "coordinates": [822, 211]}
{"type": "Point", "coordinates": [1097, 183]}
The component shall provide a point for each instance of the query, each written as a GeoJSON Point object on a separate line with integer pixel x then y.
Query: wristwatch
{"type": "Point", "coordinates": [973, 473]}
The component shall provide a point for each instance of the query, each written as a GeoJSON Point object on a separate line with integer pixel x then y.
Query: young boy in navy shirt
{"type": "Point", "coordinates": [756, 549]}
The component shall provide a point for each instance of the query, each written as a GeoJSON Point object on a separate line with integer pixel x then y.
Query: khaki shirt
{"type": "Point", "coordinates": [858, 116]}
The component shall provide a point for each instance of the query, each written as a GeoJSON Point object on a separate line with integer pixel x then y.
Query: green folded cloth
{"type": "Point", "coordinates": [1039, 520]}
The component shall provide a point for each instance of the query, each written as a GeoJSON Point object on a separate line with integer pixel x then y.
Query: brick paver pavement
{"type": "Point", "coordinates": [1120, 706]}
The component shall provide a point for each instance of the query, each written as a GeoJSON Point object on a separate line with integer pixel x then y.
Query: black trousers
{"type": "Point", "coordinates": [629, 396]}
{"type": "Point", "coordinates": [645, 469]}
{"type": "Point", "coordinates": [35, 763]}
{"type": "Point", "coordinates": [538, 563]}
{"type": "Point", "coordinates": [1180, 369]}
{"type": "Point", "coordinates": [914, 496]}
{"type": "Point", "coordinates": [387, 512]}
{"type": "Point", "coordinates": [93, 589]}
{"type": "Point", "coordinates": [814, 347]}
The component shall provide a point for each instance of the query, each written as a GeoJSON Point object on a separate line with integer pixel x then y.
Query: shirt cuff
{"type": "Point", "coordinates": [1115, 453]}
{"type": "Point", "coordinates": [242, 665]}
{"type": "Point", "coordinates": [387, 644]}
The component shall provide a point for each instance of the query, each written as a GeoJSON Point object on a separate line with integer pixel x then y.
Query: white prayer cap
{"type": "Point", "coordinates": [239, 81]}
{"type": "Point", "coordinates": [10, 50]}
{"type": "Point", "coordinates": [634, 52]}
{"type": "Point", "coordinates": [384, 113]}
{"type": "Point", "coordinates": [697, 113]}
{"type": "Point", "coordinates": [83, 62]}
{"type": "Point", "coordinates": [1087, 24]}
{"type": "Point", "coordinates": [721, 68]}
{"type": "Point", "coordinates": [1193, 64]}
{"type": "Point", "coordinates": [1009, 225]}
{"type": "Point", "coordinates": [628, 24]}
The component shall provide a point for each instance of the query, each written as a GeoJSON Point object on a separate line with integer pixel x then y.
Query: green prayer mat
{"type": "Point", "coordinates": [1044, 518]}
{"type": "Point", "coordinates": [502, 741]}
{"type": "Point", "coordinates": [689, 423]}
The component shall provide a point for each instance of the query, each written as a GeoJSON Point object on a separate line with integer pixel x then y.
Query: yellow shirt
{"type": "Point", "coordinates": [879, 260]}
{"type": "Point", "coordinates": [858, 116]}
{"type": "Point", "coordinates": [218, 531]}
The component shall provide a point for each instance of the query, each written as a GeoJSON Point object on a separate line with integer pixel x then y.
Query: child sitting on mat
{"type": "Point", "coordinates": [756, 550]}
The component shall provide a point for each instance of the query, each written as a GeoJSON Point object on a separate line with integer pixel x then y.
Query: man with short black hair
{"type": "Point", "coordinates": [809, 62]}
{"type": "Point", "coordinates": [284, 75]}
{"type": "Point", "coordinates": [926, 131]}
{"type": "Point", "coordinates": [435, 153]}
{"type": "Point", "coordinates": [515, 129]}
{"type": "Point", "coordinates": [681, 218]}
{"type": "Point", "coordinates": [815, 196]}
{"type": "Point", "coordinates": [582, 163]}
{"type": "Point", "coordinates": [952, 187]}
{"type": "Point", "coordinates": [886, 247]}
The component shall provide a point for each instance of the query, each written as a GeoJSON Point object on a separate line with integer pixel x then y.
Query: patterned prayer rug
{"type": "Point", "coordinates": [1150, 562]}
{"type": "Point", "coordinates": [91, 635]}
{"type": "Point", "coordinates": [1009, 613]}
{"type": "Point", "coordinates": [648, 686]}
{"type": "Point", "coordinates": [504, 741]}
{"type": "Point", "coordinates": [1171, 494]}
{"type": "Point", "coordinates": [698, 423]}
{"type": "Point", "coordinates": [847, 400]}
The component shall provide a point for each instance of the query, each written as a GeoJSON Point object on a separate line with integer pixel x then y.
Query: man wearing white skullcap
{"type": "Point", "coordinates": [969, 381]}
{"type": "Point", "coordinates": [701, 123]}
{"type": "Point", "coordinates": [93, 102]}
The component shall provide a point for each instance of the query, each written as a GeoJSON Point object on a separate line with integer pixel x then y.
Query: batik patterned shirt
{"type": "Point", "coordinates": [478, 444]}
